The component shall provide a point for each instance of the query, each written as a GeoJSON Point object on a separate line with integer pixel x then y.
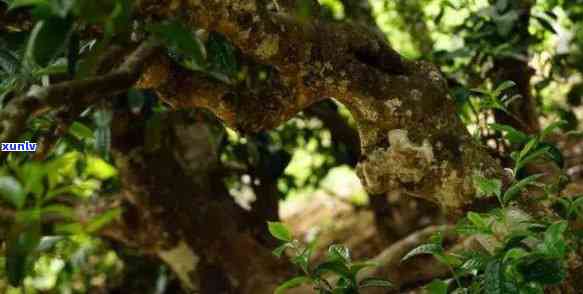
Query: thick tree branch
{"type": "Point", "coordinates": [410, 135]}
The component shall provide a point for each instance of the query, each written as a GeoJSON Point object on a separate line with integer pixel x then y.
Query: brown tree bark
{"type": "Point", "coordinates": [176, 204]}
{"type": "Point", "coordinates": [177, 208]}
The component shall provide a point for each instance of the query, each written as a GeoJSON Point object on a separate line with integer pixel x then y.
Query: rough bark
{"type": "Point", "coordinates": [403, 111]}
{"type": "Point", "coordinates": [411, 138]}
{"type": "Point", "coordinates": [175, 193]}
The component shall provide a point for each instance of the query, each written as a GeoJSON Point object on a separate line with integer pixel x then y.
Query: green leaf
{"type": "Point", "coordinates": [221, 55]}
{"type": "Point", "coordinates": [487, 187]}
{"type": "Point", "coordinates": [478, 221]}
{"type": "Point", "coordinates": [70, 228]}
{"type": "Point", "coordinates": [449, 259]}
{"type": "Point", "coordinates": [80, 131]}
{"type": "Point", "coordinates": [48, 242]}
{"type": "Point", "coordinates": [103, 219]}
{"type": "Point", "coordinates": [32, 174]}
{"type": "Point", "coordinates": [483, 92]}
{"type": "Point", "coordinates": [12, 191]}
{"type": "Point", "coordinates": [99, 168]}
{"type": "Point", "coordinates": [279, 231]}
{"type": "Point", "coordinates": [432, 249]}
{"type": "Point", "coordinates": [64, 212]}
{"type": "Point", "coordinates": [503, 87]}
{"type": "Point", "coordinates": [375, 282]}
{"type": "Point", "coordinates": [336, 266]}
{"type": "Point", "coordinates": [62, 167]}
{"type": "Point", "coordinates": [536, 154]}
{"type": "Point", "coordinates": [8, 62]}
{"type": "Point", "coordinates": [24, 3]}
{"type": "Point", "coordinates": [494, 278]}
{"type": "Point", "coordinates": [178, 37]}
{"type": "Point", "coordinates": [302, 260]}
{"type": "Point", "coordinates": [45, 8]}
{"type": "Point", "coordinates": [541, 269]}
{"type": "Point", "coordinates": [545, 24]}
{"type": "Point", "coordinates": [280, 249]}
{"type": "Point", "coordinates": [513, 135]}
{"type": "Point", "coordinates": [501, 5]}
{"type": "Point", "coordinates": [517, 187]}
{"type": "Point", "coordinates": [515, 254]}
{"type": "Point", "coordinates": [112, 15]}
{"type": "Point", "coordinates": [550, 128]}
{"type": "Point", "coordinates": [554, 154]}
{"type": "Point", "coordinates": [473, 264]}
{"type": "Point", "coordinates": [292, 283]}
{"type": "Point", "coordinates": [339, 252]}
{"type": "Point", "coordinates": [47, 40]}
{"type": "Point", "coordinates": [528, 148]}
{"type": "Point", "coordinates": [437, 287]}
{"type": "Point", "coordinates": [554, 240]}
{"type": "Point", "coordinates": [505, 23]}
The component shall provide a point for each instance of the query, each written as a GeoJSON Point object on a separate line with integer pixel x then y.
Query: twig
{"type": "Point", "coordinates": [78, 92]}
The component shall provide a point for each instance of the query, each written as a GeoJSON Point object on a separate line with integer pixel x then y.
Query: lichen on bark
{"type": "Point", "coordinates": [313, 60]}
{"type": "Point", "coordinates": [403, 162]}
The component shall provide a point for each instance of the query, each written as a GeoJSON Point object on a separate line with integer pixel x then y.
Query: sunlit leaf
{"type": "Point", "coordinates": [279, 231]}
{"type": "Point", "coordinates": [437, 287]}
{"type": "Point", "coordinates": [339, 252]}
{"type": "Point", "coordinates": [99, 168]}
{"type": "Point", "coordinates": [516, 188]}
{"type": "Point", "coordinates": [503, 87]}
{"type": "Point", "coordinates": [554, 240]}
{"type": "Point", "coordinates": [62, 167]}
{"type": "Point", "coordinates": [513, 135]}
{"type": "Point", "coordinates": [292, 283]}
{"type": "Point", "coordinates": [432, 249]}
{"type": "Point", "coordinates": [487, 187]}
{"type": "Point", "coordinates": [103, 219]}
{"type": "Point", "coordinates": [80, 131]}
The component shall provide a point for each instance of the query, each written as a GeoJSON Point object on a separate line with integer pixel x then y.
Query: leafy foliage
{"type": "Point", "coordinates": [337, 274]}
{"type": "Point", "coordinates": [521, 254]}
{"type": "Point", "coordinates": [62, 40]}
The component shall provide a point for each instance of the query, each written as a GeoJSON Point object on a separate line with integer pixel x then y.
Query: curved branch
{"type": "Point", "coordinates": [410, 135]}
